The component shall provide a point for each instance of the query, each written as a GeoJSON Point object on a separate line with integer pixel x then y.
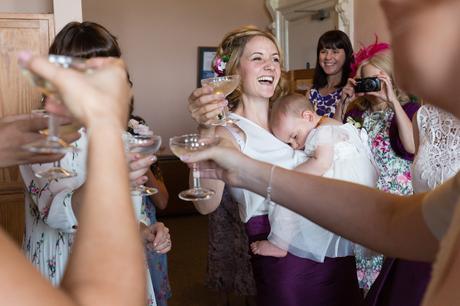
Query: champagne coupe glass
{"type": "Point", "coordinates": [143, 145]}
{"type": "Point", "coordinates": [184, 144]}
{"type": "Point", "coordinates": [53, 144]}
{"type": "Point", "coordinates": [224, 85]}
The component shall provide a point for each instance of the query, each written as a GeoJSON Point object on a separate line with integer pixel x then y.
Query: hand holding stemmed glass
{"type": "Point", "coordinates": [53, 144]}
{"type": "Point", "coordinates": [181, 145]}
{"type": "Point", "coordinates": [222, 85]}
{"type": "Point", "coordinates": [145, 145]}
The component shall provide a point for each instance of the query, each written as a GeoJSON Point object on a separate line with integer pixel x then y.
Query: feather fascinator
{"type": "Point", "coordinates": [367, 52]}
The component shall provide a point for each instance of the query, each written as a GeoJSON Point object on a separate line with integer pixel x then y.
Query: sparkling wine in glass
{"type": "Point", "coordinates": [144, 145]}
{"type": "Point", "coordinates": [224, 85]}
{"type": "Point", "coordinates": [184, 144]}
{"type": "Point", "coordinates": [53, 144]}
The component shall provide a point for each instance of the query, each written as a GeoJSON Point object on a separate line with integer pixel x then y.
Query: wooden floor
{"type": "Point", "coordinates": [187, 263]}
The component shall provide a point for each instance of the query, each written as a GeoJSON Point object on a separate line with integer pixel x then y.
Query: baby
{"type": "Point", "coordinates": [333, 150]}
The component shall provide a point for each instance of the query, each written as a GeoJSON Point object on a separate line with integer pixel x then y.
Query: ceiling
{"type": "Point", "coordinates": [297, 9]}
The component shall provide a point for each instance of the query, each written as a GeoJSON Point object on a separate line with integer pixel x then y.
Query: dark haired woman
{"type": "Point", "coordinates": [334, 56]}
{"type": "Point", "coordinates": [52, 207]}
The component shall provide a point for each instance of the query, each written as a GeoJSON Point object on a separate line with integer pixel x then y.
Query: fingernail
{"type": "Point", "coordinates": [153, 158]}
{"type": "Point", "coordinates": [24, 57]}
{"type": "Point", "coordinates": [185, 158]}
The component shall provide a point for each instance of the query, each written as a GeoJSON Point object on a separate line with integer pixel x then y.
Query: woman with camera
{"type": "Point", "coordinates": [385, 113]}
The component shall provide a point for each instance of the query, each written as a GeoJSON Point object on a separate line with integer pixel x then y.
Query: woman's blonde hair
{"type": "Point", "coordinates": [232, 46]}
{"type": "Point", "coordinates": [384, 62]}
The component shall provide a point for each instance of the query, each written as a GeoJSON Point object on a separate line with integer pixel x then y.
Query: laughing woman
{"type": "Point", "coordinates": [255, 56]}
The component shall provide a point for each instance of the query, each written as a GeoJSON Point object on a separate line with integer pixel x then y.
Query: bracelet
{"type": "Point", "coordinates": [269, 187]}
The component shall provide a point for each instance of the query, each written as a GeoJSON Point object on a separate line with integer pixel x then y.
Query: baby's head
{"type": "Point", "coordinates": [292, 118]}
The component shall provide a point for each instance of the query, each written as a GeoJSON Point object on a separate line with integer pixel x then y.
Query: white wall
{"type": "Point", "coordinates": [26, 6]}
{"type": "Point", "coordinates": [160, 39]}
{"type": "Point", "coordinates": [303, 38]}
{"type": "Point", "coordinates": [66, 11]}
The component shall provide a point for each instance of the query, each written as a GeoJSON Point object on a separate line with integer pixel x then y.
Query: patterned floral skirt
{"type": "Point", "coordinates": [158, 265]}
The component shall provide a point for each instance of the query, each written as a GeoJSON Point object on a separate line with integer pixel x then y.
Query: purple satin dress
{"type": "Point", "coordinates": [400, 283]}
{"type": "Point", "coordinates": [296, 281]}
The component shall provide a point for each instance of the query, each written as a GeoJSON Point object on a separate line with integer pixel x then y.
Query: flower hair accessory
{"type": "Point", "coordinates": [138, 127]}
{"type": "Point", "coordinates": [367, 52]}
{"type": "Point", "coordinates": [219, 64]}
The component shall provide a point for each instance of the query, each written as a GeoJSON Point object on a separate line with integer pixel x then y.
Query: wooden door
{"type": "Point", "coordinates": [18, 32]}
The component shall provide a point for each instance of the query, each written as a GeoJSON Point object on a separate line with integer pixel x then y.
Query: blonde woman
{"type": "Point", "coordinates": [291, 281]}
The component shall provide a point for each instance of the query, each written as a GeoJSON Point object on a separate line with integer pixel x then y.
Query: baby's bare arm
{"type": "Point", "coordinates": [319, 163]}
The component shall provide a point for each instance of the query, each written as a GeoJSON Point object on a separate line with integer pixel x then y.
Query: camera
{"type": "Point", "coordinates": [367, 84]}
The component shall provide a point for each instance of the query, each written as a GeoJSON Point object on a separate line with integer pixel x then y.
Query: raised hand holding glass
{"type": "Point", "coordinates": [184, 144]}
{"type": "Point", "coordinates": [224, 85]}
{"type": "Point", "coordinates": [53, 143]}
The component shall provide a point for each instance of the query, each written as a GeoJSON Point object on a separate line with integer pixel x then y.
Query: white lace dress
{"type": "Point", "coordinates": [437, 159]}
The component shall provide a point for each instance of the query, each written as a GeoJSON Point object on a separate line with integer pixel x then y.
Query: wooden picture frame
{"type": "Point", "coordinates": [205, 57]}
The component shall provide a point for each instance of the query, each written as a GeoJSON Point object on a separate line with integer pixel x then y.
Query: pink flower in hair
{"type": "Point", "coordinates": [365, 53]}
{"type": "Point", "coordinates": [219, 64]}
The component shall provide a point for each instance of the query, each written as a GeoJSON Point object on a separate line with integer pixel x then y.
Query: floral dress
{"type": "Point", "coordinates": [394, 177]}
{"type": "Point", "coordinates": [158, 263]}
{"type": "Point", "coordinates": [50, 222]}
{"type": "Point", "coordinates": [325, 105]}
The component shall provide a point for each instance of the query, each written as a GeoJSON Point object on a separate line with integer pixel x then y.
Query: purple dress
{"type": "Point", "coordinates": [325, 105]}
{"type": "Point", "coordinates": [296, 281]}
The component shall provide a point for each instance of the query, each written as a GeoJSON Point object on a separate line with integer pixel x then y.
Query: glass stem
{"type": "Point", "coordinates": [196, 176]}
{"type": "Point", "coordinates": [53, 126]}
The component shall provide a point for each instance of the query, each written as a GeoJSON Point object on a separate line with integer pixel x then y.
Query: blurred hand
{"type": "Point", "coordinates": [157, 238]}
{"type": "Point", "coordinates": [205, 106]}
{"type": "Point", "coordinates": [101, 95]}
{"type": "Point", "coordinates": [219, 162]}
{"type": "Point", "coordinates": [414, 41]}
{"type": "Point", "coordinates": [17, 131]}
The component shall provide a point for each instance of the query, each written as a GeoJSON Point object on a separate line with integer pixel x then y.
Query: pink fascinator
{"type": "Point", "coordinates": [367, 52]}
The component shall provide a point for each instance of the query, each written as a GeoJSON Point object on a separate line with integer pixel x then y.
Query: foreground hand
{"type": "Point", "coordinates": [17, 131]}
{"type": "Point", "coordinates": [219, 162]}
{"type": "Point", "coordinates": [414, 41]}
{"type": "Point", "coordinates": [205, 106]}
{"type": "Point", "coordinates": [101, 96]}
{"type": "Point", "coordinates": [157, 238]}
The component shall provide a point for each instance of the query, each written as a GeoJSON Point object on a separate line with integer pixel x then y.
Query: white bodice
{"type": "Point", "coordinates": [261, 145]}
{"type": "Point", "coordinates": [438, 156]}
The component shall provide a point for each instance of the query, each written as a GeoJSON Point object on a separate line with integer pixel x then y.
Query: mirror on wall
{"type": "Point", "coordinates": [299, 24]}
